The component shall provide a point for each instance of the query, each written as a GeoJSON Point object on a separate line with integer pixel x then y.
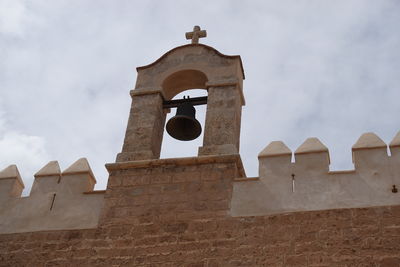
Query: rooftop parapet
{"type": "Point", "coordinates": [275, 156]}
{"type": "Point", "coordinates": [46, 179]}
{"type": "Point", "coordinates": [307, 183]}
{"type": "Point", "coordinates": [11, 184]}
{"type": "Point", "coordinates": [368, 151]}
{"type": "Point", "coordinates": [312, 155]}
{"type": "Point", "coordinates": [79, 176]}
{"type": "Point", "coordinates": [275, 149]}
{"type": "Point", "coordinates": [58, 200]}
{"type": "Point", "coordinates": [275, 165]}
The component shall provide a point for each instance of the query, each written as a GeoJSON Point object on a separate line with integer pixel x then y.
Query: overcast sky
{"type": "Point", "coordinates": [326, 69]}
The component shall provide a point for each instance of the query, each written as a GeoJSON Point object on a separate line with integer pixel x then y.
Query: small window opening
{"type": "Point", "coordinates": [293, 183]}
{"type": "Point", "coordinates": [52, 201]}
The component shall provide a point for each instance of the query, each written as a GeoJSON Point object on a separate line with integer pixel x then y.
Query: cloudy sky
{"type": "Point", "coordinates": [326, 69]}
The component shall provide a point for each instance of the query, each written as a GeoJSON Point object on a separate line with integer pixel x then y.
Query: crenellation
{"type": "Point", "coordinates": [312, 156]}
{"type": "Point", "coordinates": [369, 141]}
{"type": "Point", "coordinates": [50, 169]}
{"type": "Point", "coordinates": [58, 200]}
{"type": "Point", "coordinates": [46, 179]}
{"type": "Point", "coordinates": [274, 149]}
{"type": "Point", "coordinates": [307, 183]}
{"type": "Point", "coordinates": [373, 167]}
{"type": "Point", "coordinates": [369, 152]}
{"type": "Point", "coordinates": [78, 177]}
{"type": "Point", "coordinates": [11, 184]}
{"type": "Point", "coordinates": [275, 167]}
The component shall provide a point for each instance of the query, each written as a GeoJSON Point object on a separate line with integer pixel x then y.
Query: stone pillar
{"type": "Point", "coordinates": [223, 117]}
{"type": "Point", "coordinates": [144, 132]}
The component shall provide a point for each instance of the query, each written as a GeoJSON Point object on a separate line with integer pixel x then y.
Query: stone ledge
{"type": "Point", "coordinates": [342, 172]}
{"type": "Point", "coordinates": [95, 192]}
{"type": "Point", "coordinates": [246, 179]}
{"type": "Point", "coordinates": [146, 91]}
{"type": "Point", "coordinates": [179, 162]}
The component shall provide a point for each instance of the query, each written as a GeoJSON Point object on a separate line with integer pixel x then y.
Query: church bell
{"type": "Point", "coordinates": [184, 126]}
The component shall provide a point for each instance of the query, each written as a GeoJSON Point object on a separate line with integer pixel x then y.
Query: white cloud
{"type": "Point", "coordinates": [28, 152]}
{"type": "Point", "coordinates": [12, 14]}
{"type": "Point", "coordinates": [16, 18]}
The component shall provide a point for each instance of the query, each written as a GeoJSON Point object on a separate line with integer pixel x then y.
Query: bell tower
{"type": "Point", "coordinates": [141, 186]}
{"type": "Point", "coordinates": [192, 66]}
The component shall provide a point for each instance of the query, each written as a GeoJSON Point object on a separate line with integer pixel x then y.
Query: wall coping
{"type": "Point", "coordinates": [189, 45]}
{"type": "Point", "coordinates": [179, 162]}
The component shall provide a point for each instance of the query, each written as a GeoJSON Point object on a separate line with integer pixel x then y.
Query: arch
{"type": "Point", "coordinates": [202, 63]}
{"type": "Point", "coordinates": [183, 80]}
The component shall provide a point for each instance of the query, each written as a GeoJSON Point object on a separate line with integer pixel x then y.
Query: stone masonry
{"type": "Point", "coordinates": [203, 211]}
{"type": "Point", "coordinates": [176, 213]}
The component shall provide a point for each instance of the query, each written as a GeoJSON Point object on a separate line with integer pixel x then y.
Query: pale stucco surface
{"type": "Point", "coordinates": [307, 183]}
{"type": "Point", "coordinates": [57, 201]}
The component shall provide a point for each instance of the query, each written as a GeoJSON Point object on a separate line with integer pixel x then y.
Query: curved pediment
{"type": "Point", "coordinates": [176, 50]}
{"type": "Point", "coordinates": [200, 63]}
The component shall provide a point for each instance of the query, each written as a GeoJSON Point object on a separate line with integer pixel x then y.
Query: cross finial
{"type": "Point", "coordinates": [196, 34]}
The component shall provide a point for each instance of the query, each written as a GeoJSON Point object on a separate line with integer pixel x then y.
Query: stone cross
{"type": "Point", "coordinates": [196, 34]}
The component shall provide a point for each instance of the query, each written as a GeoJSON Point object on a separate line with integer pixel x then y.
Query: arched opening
{"type": "Point", "coordinates": [182, 83]}
{"type": "Point", "coordinates": [172, 148]}
{"type": "Point", "coordinates": [183, 80]}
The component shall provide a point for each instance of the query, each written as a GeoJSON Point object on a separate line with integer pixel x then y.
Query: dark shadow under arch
{"type": "Point", "coordinates": [183, 80]}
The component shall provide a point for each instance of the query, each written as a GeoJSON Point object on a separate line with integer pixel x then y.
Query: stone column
{"type": "Point", "coordinates": [223, 117]}
{"type": "Point", "coordinates": [144, 132]}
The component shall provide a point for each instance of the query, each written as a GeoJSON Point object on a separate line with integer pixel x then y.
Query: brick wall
{"type": "Point", "coordinates": [178, 215]}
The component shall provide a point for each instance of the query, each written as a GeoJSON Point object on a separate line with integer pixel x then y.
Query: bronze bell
{"type": "Point", "coordinates": [184, 126]}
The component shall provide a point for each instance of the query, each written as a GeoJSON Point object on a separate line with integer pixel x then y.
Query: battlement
{"type": "Point", "coordinates": [57, 201]}
{"type": "Point", "coordinates": [308, 184]}
{"type": "Point", "coordinates": [66, 200]}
